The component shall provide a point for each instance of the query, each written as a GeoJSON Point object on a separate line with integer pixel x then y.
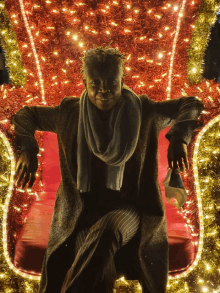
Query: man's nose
{"type": "Point", "coordinates": [104, 86]}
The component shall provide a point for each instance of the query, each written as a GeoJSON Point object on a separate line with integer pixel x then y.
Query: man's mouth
{"type": "Point", "coordinates": [106, 98]}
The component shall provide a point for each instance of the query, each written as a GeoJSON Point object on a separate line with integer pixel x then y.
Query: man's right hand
{"type": "Point", "coordinates": [27, 164]}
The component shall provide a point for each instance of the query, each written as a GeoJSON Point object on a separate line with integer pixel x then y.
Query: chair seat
{"type": "Point", "coordinates": [33, 239]}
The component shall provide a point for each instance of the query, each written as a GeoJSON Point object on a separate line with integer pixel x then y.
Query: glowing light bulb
{"type": "Point", "coordinates": [160, 55]}
{"type": "Point", "coordinates": [75, 37]}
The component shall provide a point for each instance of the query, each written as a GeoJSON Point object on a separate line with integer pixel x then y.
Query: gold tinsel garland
{"type": "Point", "coordinates": [127, 286]}
{"type": "Point", "coordinates": [17, 73]}
{"type": "Point", "coordinates": [204, 274]}
{"type": "Point", "coordinates": [11, 280]}
{"type": "Point", "coordinates": [200, 38]}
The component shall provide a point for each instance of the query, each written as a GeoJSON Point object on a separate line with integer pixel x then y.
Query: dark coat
{"type": "Point", "coordinates": [145, 257]}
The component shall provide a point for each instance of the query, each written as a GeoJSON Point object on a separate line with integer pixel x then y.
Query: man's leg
{"type": "Point", "coordinates": [93, 266]}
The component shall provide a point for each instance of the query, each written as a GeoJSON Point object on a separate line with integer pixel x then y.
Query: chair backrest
{"type": "Point", "coordinates": [51, 170]}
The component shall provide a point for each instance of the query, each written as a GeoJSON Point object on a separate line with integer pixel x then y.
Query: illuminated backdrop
{"type": "Point", "coordinates": [164, 42]}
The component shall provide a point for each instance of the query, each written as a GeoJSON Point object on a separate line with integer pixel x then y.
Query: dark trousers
{"type": "Point", "coordinates": [93, 269]}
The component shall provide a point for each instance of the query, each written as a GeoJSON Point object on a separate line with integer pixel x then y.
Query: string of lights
{"type": "Point", "coordinates": [52, 35]}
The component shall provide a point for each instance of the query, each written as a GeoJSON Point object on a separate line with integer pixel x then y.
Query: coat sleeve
{"type": "Point", "coordinates": [181, 114]}
{"type": "Point", "coordinates": [29, 119]}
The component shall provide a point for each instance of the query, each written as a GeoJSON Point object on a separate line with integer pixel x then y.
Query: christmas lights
{"type": "Point", "coordinates": [206, 18]}
{"type": "Point", "coordinates": [154, 37]}
{"type": "Point", "coordinates": [174, 47]}
{"type": "Point", "coordinates": [9, 43]}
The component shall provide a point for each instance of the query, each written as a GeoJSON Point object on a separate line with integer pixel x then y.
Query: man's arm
{"type": "Point", "coordinates": [29, 119]}
{"type": "Point", "coordinates": [26, 121]}
{"type": "Point", "coordinates": [182, 114]}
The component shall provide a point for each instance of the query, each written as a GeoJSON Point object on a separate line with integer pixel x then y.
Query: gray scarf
{"type": "Point", "coordinates": [123, 134]}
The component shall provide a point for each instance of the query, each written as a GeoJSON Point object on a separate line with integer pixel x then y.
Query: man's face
{"type": "Point", "coordinates": [104, 84]}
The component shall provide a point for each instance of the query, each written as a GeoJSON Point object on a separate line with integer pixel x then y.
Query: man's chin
{"type": "Point", "coordinates": [104, 104]}
{"type": "Point", "coordinates": [105, 108]}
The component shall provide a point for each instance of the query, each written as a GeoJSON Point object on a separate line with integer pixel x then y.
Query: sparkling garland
{"type": "Point", "coordinates": [11, 279]}
{"type": "Point", "coordinates": [204, 274]}
{"type": "Point", "coordinates": [13, 62]}
{"type": "Point", "coordinates": [127, 286]}
{"type": "Point", "coordinates": [200, 38]}
{"type": "Point", "coordinates": [158, 60]}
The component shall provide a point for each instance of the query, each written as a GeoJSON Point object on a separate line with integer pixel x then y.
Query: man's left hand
{"type": "Point", "coordinates": [177, 155]}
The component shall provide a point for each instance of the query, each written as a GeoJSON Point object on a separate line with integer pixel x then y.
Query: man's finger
{"type": "Point", "coordinates": [25, 180]}
{"type": "Point", "coordinates": [33, 178]}
{"type": "Point", "coordinates": [175, 166]}
{"type": "Point", "coordinates": [170, 163]}
{"type": "Point", "coordinates": [186, 162]}
{"type": "Point", "coordinates": [21, 176]}
{"type": "Point", "coordinates": [18, 168]}
{"type": "Point", "coordinates": [181, 165]}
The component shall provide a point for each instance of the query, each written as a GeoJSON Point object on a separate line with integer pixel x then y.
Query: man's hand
{"type": "Point", "coordinates": [177, 155]}
{"type": "Point", "coordinates": [27, 164]}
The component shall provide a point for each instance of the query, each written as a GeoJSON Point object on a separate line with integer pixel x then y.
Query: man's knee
{"type": "Point", "coordinates": [116, 225]}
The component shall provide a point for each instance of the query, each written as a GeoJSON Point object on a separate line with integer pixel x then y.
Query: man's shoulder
{"type": "Point", "coordinates": [145, 100]}
{"type": "Point", "coordinates": [69, 102]}
{"type": "Point", "coordinates": [143, 97]}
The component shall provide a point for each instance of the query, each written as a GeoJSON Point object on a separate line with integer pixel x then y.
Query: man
{"type": "Point", "coordinates": [109, 217]}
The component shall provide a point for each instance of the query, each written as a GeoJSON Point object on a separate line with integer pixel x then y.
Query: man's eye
{"type": "Point", "coordinates": [95, 82]}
